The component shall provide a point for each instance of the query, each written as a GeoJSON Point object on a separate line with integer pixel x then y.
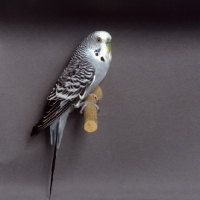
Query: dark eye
{"type": "Point", "coordinates": [99, 39]}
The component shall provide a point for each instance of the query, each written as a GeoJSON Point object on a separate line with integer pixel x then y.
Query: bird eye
{"type": "Point", "coordinates": [99, 39]}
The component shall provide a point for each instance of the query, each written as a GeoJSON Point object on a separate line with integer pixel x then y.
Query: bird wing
{"type": "Point", "coordinates": [69, 88]}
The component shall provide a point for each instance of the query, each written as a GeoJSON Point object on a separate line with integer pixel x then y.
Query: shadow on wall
{"type": "Point", "coordinates": [113, 8]}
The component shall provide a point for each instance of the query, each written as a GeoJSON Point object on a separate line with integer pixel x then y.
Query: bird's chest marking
{"type": "Point", "coordinates": [97, 54]}
{"type": "Point", "coordinates": [102, 59]}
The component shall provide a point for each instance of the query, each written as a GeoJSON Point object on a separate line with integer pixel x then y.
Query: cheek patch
{"type": "Point", "coordinates": [97, 50]}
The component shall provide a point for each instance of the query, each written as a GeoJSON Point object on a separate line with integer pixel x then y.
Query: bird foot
{"type": "Point", "coordinates": [85, 103]}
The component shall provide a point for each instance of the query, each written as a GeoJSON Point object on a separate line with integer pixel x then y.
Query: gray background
{"type": "Point", "coordinates": [147, 144]}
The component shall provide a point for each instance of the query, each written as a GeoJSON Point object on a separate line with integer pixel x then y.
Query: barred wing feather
{"type": "Point", "coordinates": [68, 90]}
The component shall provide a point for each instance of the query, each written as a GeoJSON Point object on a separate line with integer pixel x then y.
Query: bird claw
{"type": "Point", "coordinates": [95, 96]}
{"type": "Point", "coordinates": [86, 103]}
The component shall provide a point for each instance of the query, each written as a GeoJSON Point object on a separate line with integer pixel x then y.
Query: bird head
{"type": "Point", "coordinates": [99, 44]}
{"type": "Point", "coordinates": [102, 39]}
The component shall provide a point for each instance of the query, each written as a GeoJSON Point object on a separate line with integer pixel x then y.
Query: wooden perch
{"type": "Point", "coordinates": [90, 111]}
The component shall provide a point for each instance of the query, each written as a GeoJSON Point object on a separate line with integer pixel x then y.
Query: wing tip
{"type": "Point", "coordinates": [34, 131]}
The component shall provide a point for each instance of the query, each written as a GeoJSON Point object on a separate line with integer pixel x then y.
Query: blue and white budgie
{"type": "Point", "coordinates": [86, 69]}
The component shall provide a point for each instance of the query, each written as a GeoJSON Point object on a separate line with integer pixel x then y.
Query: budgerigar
{"type": "Point", "coordinates": [86, 69]}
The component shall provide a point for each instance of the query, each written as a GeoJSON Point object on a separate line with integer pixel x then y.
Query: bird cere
{"type": "Point", "coordinates": [86, 69]}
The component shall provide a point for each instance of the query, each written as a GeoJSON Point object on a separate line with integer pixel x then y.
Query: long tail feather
{"type": "Point", "coordinates": [56, 133]}
{"type": "Point", "coordinates": [53, 169]}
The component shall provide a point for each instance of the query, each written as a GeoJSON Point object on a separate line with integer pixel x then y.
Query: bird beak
{"type": "Point", "coordinates": [108, 44]}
